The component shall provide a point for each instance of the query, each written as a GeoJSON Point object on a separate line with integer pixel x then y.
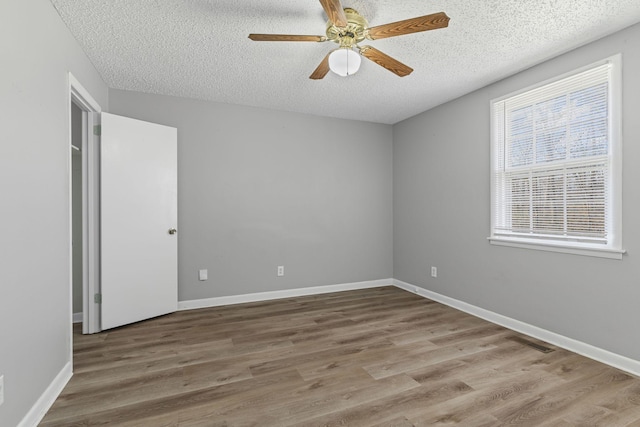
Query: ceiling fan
{"type": "Point", "coordinates": [347, 28]}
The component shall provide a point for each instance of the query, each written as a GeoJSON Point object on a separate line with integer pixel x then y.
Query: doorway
{"type": "Point", "coordinates": [84, 207]}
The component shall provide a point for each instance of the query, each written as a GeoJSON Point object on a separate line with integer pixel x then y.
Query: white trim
{"type": "Point", "coordinates": [613, 59]}
{"type": "Point", "coordinates": [90, 233]}
{"type": "Point", "coordinates": [617, 149]}
{"type": "Point", "coordinates": [612, 359]}
{"type": "Point", "coordinates": [46, 400]}
{"type": "Point", "coordinates": [288, 293]}
{"type": "Point", "coordinates": [557, 247]}
{"type": "Point", "coordinates": [77, 317]}
{"type": "Point", "coordinates": [82, 96]}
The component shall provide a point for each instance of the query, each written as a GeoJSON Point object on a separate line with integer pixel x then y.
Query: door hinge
{"type": "Point", "coordinates": [97, 130]}
{"type": "Point", "coordinates": [97, 298]}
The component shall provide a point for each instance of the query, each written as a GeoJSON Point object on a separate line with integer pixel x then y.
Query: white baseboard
{"type": "Point", "coordinates": [77, 317]}
{"type": "Point", "coordinates": [289, 293]}
{"type": "Point", "coordinates": [612, 359]}
{"type": "Point", "coordinates": [42, 405]}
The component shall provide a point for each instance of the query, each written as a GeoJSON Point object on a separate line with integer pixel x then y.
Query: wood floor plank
{"type": "Point", "coordinates": [396, 422]}
{"type": "Point", "coordinates": [386, 409]}
{"type": "Point", "coordinates": [561, 399]}
{"type": "Point", "coordinates": [180, 402]}
{"type": "Point", "coordinates": [414, 358]}
{"type": "Point", "coordinates": [104, 373]}
{"type": "Point", "coordinates": [324, 397]}
{"type": "Point", "coordinates": [372, 357]}
{"type": "Point", "coordinates": [463, 409]}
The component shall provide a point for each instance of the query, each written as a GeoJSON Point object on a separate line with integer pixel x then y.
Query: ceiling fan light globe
{"type": "Point", "coordinates": [344, 62]}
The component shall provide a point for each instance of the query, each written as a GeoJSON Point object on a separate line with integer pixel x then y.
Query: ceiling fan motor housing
{"type": "Point", "coordinates": [354, 32]}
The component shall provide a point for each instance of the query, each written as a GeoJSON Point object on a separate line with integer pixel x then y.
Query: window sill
{"type": "Point", "coordinates": [558, 247]}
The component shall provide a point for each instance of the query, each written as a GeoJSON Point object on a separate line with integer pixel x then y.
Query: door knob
{"type": "Point", "coordinates": [172, 231]}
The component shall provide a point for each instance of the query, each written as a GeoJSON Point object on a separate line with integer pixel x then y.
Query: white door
{"type": "Point", "coordinates": [138, 215]}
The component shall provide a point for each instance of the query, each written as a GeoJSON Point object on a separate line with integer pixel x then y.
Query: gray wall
{"type": "Point", "coordinates": [261, 188]}
{"type": "Point", "coordinates": [35, 300]}
{"type": "Point", "coordinates": [441, 217]}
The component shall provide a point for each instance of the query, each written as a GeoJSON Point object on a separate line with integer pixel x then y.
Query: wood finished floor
{"type": "Point", "coordinates": [375, 357]}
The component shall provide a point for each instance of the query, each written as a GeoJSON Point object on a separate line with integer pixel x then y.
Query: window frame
{"type": "Point", "coordinates": [613, 247]}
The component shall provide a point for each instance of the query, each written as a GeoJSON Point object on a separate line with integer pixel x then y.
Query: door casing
{"type": "Point", "coordinates": [90, 208]}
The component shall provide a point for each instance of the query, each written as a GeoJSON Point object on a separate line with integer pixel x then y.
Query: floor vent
{"type": "Point", "coordinates": [536, 346]}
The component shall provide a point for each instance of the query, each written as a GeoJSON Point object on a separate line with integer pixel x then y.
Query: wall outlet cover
{"type": "Point", "coordinates": [203, 274]}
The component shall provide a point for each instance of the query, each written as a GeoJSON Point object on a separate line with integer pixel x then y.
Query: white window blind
{"type": "Point", "coordinates": [553, 157]}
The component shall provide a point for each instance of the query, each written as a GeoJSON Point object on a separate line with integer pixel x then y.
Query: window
{"type": "Point", "coordinates": [556, 164]}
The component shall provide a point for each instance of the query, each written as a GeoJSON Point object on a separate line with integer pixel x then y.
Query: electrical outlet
{"type": "Point", "coordinates": [434, 272]}
{"type": "Point", "coordinates": [203, 275]}
{"type": "Point", "coordinates": [1, 389]}
{"type": "Point", "coordinates": [280, 270]}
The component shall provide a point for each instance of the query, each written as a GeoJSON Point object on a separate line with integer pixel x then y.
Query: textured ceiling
{"type": "Point", "coordinates": [199, 49]}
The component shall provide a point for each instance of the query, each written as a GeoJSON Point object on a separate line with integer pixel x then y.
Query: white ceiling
{"type": "Point", "coordinates": [199, 49]}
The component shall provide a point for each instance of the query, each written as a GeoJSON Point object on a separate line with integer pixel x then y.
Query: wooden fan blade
{"type": "Point", "coordinates": [322, 69]}
{"type": "Point", "coordinates": [285, 38]}
{"type": "Point", "coordinates": [335, 12]}
{"type": "Point", "coordinates": [385, 61]}
{"type": "Point", "coordinates": [408, 26]}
